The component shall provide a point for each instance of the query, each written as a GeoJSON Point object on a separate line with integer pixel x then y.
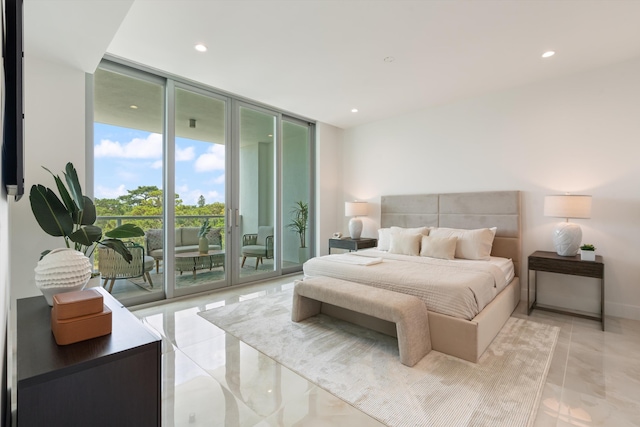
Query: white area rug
{"type": "Point", "coordinates": [362, 367]}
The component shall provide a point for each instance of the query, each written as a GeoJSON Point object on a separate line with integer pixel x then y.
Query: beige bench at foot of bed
{"type": "Point", "coordinates": [406, 311]}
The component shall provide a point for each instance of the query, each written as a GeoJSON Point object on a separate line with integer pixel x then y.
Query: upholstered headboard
{"type": "Point", "coordinates": [499, 209]}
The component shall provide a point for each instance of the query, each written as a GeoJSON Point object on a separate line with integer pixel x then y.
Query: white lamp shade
{"type": "Point", "coordinates": [355, 208]}
{"type": "Point", "coordinates": [567, 206]}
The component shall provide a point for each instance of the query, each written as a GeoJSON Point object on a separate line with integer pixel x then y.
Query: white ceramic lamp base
{"type": "Point", "coordinates": [567, 238]}
{"type": "Point", "coordinates": [355, 228]}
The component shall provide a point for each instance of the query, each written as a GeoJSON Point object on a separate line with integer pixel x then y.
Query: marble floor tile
{"type": "Point", "coordinates": [260, 382]}
{"type": "Point", "coordinates": [183, 327]}
{"type": "Point", "coordinates": [579, 409]}
{"type": "Point", "coordinates": [549, 407]}
{"type": "Point", "coordinates": [190, 397]}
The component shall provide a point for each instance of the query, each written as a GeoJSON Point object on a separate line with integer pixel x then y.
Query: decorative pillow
{"type": "Point", "coordinates": [438, 247]}
{"type": "Point", "coordinates": [214, 236]}
{"type": "Point", "coordinates": [384, 239]}
{"type": "Point", "coordinates": [154, 239]}
{"type": "Point", "coordinates": [471, 244]}
{"type": "Point", "coordinates": [405, 244]}
{"type": "Point", "coordinates": [417, 230]}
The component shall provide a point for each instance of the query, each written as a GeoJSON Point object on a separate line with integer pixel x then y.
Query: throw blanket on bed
{"type": "Point", "coordinates": [457, 288]}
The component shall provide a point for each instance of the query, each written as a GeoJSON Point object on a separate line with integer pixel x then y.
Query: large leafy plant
{"type": "Point", "coordinates": [74, 216]}
{"type": "Point", "coordinates": [204, 228]}
{"type": "Point", "coordinates": [300, 221]}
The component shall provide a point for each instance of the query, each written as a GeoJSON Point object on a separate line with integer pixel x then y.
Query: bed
{"type": "Point", "coordinates": [465, 325]}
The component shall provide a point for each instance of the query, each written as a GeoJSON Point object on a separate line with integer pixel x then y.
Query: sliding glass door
{"type": "Point", "coordinates": [296, 193]}
{"type": "Point", "coordinates": [200, 189]}
{"type": "Point", "coordinates": [128, 153]}
{"type": "Point", "coordinates": [255, 232]}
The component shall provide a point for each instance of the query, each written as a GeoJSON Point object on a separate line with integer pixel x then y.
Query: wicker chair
{"type": "Point", "coordinates": [112, 266]}
{"type": "Point", "coordinates": [258, 245]}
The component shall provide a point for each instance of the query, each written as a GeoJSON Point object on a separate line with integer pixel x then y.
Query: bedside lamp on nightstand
{"type": "Point", "coordinates": [567, 236]}
{"type": "Point", "coordinates": [355, 209]}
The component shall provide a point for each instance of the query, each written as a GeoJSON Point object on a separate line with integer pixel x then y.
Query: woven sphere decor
{"type": "Point", "coordinates": [62, 270]}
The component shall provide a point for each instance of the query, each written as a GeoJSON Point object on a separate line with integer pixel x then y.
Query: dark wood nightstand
{"type": "Point", "coordinates": [352, 244]}
{"type": "Point", "coordinates": [572, 265]}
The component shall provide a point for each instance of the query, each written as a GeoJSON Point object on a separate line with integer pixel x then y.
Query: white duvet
{"type": "Point", "coordinates": [458, 288]}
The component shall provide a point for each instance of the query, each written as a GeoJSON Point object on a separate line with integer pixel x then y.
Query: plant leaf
{"type": "Point", "coordinates": [64, 194]}
{"type": "Point", "coordinates": [89, 215]}
{"type": "Point", "coordinates": [125, 231]}
{"type": "Point", "coordinates": [74, 185]}
{"type": "Point", "coordinates": [86, 235]}
{"type": "Point", "coordinates": [119, 247]}
{"type": "Point", "coordinates": [49, 211]}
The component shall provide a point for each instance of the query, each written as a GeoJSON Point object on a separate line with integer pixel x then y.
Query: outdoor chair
{"type": "Point", "coordinates": [258, 245]}
{"type": "Point", "coordinates": [112, 266]}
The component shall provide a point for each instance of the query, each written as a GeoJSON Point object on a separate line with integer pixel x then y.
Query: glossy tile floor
{"type": "Point", "coordinates": [212, 379]}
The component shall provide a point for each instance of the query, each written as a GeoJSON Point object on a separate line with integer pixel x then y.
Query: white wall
{"type": "Point", "coordinates": [578, 134]}
{"type": "Point", "coordinates": [54, 135]}
{"type": "Point", "coordinates": [329, 192]}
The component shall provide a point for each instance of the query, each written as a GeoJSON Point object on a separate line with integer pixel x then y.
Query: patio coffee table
{"type": "Point", "coordinates": [193, 261]}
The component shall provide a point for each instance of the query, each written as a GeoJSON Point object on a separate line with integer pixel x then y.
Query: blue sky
{"type": "Point", "coordinates": [127, 158]}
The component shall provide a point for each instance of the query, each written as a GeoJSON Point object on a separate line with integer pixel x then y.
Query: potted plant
{"type": "Point", "coordinates": [203, 242]}
{"type": "Point", "coordinates": [299, 224]}
{"type": "Point", "coordinates": [587, 252]}
{"type": "Point", "coordinates": [71, 216]}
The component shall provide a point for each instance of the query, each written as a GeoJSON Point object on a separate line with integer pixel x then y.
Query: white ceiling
{"type": "Point", "coordinates": [320, 59]}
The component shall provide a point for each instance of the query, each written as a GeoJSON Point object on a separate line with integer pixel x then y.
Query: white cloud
{"type": "Point", "coordinates": [212, 160]}
{"type": "Point", "coordinates": [157, 164]}
{"type": "Point", "coordinates": [186, 154]}
{"type": "Point", "coordinates": [137, 148]}
{"type": "Point", "coordinates": [102, 192]}
{"type": "Point", "coordinates": [220, 179]}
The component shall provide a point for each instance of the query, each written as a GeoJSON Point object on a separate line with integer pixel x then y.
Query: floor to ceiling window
{"type": "Point", "coordinates": [296, 193]}
{"type": "Point", "coordinates": [200, 186]}
{"type": "Point", "coordinates": [225, 183]}
{"type": "Point", "coordinates": [128, 173]}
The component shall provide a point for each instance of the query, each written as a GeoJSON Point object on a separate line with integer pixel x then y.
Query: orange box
{"type": "Point", "coordinates": [69, 331]}
{"type": "Point", "coordinates": [76, 304]}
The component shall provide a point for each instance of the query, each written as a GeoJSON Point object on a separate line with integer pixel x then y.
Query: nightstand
{"type": "Point", "coordinates": [572, 265]}
{"type": "Point", "coordinates": [352, 244]}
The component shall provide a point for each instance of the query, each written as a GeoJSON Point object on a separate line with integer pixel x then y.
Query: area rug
{"type": "Point", "coordinates": [362, 367]}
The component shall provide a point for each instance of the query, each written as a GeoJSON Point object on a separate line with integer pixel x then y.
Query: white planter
{"type": "Point", "coordinates": [587, 255]}
{"type": "Point", "coordinates": [62, 270]}
{"type": "Point", "coordinates": [303, 255]}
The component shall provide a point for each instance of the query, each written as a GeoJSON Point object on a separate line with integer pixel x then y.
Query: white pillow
{"type": "Point", "coordinates": [417, 230]}
{"type": "Point", "coordinates": [384, 239]}
{"type": "Point", "coordinates": [405, 244]}
{"type": "Point", "coordinates": [438, 247]}
{"type": "Point", "coordinates": [471, 244]}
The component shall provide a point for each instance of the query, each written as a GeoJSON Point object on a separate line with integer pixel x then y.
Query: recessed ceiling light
{"type": "Point", "coordinates": [133, 107]}
{"type": "Point", "coordinates": [548, 54]}
{"type": "Point", "coordinates": [389, 59]}
{"type": "Point", "coordinates": [200, 47]}
{"type": "Point", "coordinates": [354, 110]}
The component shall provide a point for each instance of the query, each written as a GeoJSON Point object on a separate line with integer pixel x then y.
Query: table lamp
{"type": "Point", "coordinates": [567, 236]}
{"type": "Point", "coordinates": [355, 209]}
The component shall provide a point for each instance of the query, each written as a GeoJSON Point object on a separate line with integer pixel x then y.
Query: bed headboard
{"type": "Point", "coordinates": [499, 209]}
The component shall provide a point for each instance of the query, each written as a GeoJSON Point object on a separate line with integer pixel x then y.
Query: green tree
{"type": "Point", "coordinates": [201, 201]}
{"type": "Point", "coordinates": [110, 207]}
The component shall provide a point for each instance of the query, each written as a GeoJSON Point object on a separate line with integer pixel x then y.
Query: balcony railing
{"type": "Point", "coordinates": [155, 221]}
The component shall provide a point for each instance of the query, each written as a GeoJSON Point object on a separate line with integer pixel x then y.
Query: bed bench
{"type": "Point", "coordinates": [406, 311]}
